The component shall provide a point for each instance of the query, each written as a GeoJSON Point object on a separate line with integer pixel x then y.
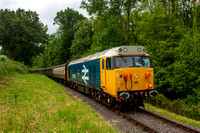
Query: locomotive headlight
{"type": "Point", "coordinates": [139, 49]}
{"type": "Point", "coordinates": [136, 76]}
{"type": "Point", "coordinates": [125, 49]}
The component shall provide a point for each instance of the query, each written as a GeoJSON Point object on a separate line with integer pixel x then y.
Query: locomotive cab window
{"type": "Point", "coordinates": [142, 61]}
{"type": "Point", "coordinates": [132, 61]}
{"type": "Point", "coordinates": [125, 61]}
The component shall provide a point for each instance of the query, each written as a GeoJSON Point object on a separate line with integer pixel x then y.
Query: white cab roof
{"type": "Point", "coordinates": [121, 50]}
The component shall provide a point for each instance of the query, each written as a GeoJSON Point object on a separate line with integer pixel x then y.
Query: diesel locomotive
{"type": "Point", "coordinates": [119, 76]}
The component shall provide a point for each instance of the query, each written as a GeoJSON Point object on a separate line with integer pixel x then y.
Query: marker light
{"type": "Point", "coordinates": [130, 74]}
{"type": "Point", "coordinates": [150, 86]}
{"type": "Point", "coordinates": [125, 76]}
{"type": "Point", "coordinates": [147, 74]}
{"type": "Point", "coordinates": [125, 49]}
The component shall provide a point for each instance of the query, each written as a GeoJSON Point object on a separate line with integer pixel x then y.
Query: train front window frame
{"type": "Point", "coordinates": [131, 61]}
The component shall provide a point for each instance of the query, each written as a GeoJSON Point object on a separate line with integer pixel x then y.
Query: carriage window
{"type": "Point", "coordinates": [102, 63]}
{"type": "Point", "coordinates": [108, 63]}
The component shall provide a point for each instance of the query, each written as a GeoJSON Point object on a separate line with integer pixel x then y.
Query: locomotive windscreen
{"type": "Point", "coordinates": [132, 61]}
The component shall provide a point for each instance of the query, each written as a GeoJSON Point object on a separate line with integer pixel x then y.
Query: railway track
{"type": "Point", "coordinates": [167, 120]}
{"type": "Point", "coordinates": [137, 122]}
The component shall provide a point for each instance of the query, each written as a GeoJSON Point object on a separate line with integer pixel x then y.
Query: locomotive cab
{"type": "Point", "coordinates": [128, 76]}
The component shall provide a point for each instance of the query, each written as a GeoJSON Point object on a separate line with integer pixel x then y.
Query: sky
{"type": "Point", "coordinates": [47, 9]}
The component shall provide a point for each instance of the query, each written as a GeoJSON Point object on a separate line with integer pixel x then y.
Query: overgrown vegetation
{"type": "Point", "coordinates": [184, 107]}
{"type": "Point", "coordinates": [9, 67]}
{"type": "Point", "coordinates": [167, 113]}
{"type": "Point", "coordinates": [35, 103]}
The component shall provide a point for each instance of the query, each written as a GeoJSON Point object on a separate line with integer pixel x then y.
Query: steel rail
{"type": "Point", "coordinates": [179, 125]}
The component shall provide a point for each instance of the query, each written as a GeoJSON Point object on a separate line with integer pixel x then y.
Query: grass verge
{"type": "Point", "coordinates": [172, 115]}
{"type": "Point", "coordinates": [10, 67]}
{"type": "Point", "coordinates": [35, 103]}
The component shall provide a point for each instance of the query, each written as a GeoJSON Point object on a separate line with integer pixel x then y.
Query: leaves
{"type": "Point", "coordinates": [22, 34]}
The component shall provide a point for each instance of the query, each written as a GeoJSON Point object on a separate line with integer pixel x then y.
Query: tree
{"type": "Point", "coordinates": [106, 33]}
{"type": "Point", "coordinates": [82, 39]}
{"type": "Point", "coordinates": [21, 34]}
{"type": "Point", "coordinates": [66, 20]}
{"type": "Point", "coordinates": [119, 8]}
{"type": "Point", "coordinates": [164, 29]}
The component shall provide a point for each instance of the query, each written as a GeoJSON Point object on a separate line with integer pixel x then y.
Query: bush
{"type": "Point", "coordinates": [190, 110]}
{"type": "Point", "coordinates": [9, 67]}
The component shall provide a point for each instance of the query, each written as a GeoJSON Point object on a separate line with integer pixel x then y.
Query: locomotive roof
{"type": "Point", "coordinates": [121, 50]}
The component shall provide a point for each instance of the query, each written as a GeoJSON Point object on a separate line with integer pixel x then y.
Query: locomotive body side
{"type": "Point", "coordinates": [85, 73]}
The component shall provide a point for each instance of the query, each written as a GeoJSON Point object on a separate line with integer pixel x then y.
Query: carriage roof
{"type": "Point", "coordinates": [121, 50]}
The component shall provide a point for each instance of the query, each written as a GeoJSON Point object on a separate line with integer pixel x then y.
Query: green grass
{"type": "Point", "coordinates": [35, 103]}
{"type": "Point", "coordinates": [172, 115]}
{"type": "Point", "coordinates": [9, 67]}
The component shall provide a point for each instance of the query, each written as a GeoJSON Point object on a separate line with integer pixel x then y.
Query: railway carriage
{"type": "Point", "coordinates": [117, 76]}
{"type": "Point", "coordinates": [59, 72]}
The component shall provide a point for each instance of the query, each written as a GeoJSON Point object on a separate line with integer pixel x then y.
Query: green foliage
{"type": "Point", "coordinates": [95, 7]}
{"type": "Point", "coordinates": [35, 103]}
{"type": "Point", "coordinates": [82, 39]}
{"type": "Point", "coordinates": [184, 107]}
{"type": "Point", "coordinates": [171, 45]}
{"type": "Point", "coordinates": [66, 20]}
{"type": "Point", "coordinates": [106, 34]}
{"type": "Point", "coordinates": [22, 34]}
{"type": "Point", "coordinates": [49, 57]}
{"type": "Point", "coordinates": [9, 67]}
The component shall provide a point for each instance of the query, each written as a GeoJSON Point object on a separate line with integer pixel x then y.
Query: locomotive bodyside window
{"type": "Point", "coordinates": [102, 63]}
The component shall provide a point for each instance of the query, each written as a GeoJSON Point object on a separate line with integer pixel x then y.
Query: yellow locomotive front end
{"type": "Point", "coordinates": [128, 76]}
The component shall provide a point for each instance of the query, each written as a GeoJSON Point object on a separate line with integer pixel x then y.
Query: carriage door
{"type": "Point", "coordinates": [103, 72]}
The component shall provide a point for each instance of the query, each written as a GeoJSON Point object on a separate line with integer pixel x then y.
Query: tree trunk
{"type": "Point", "coordinates": [194, 20]}
{"type": "Point", "coordinates": [128, 17]}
